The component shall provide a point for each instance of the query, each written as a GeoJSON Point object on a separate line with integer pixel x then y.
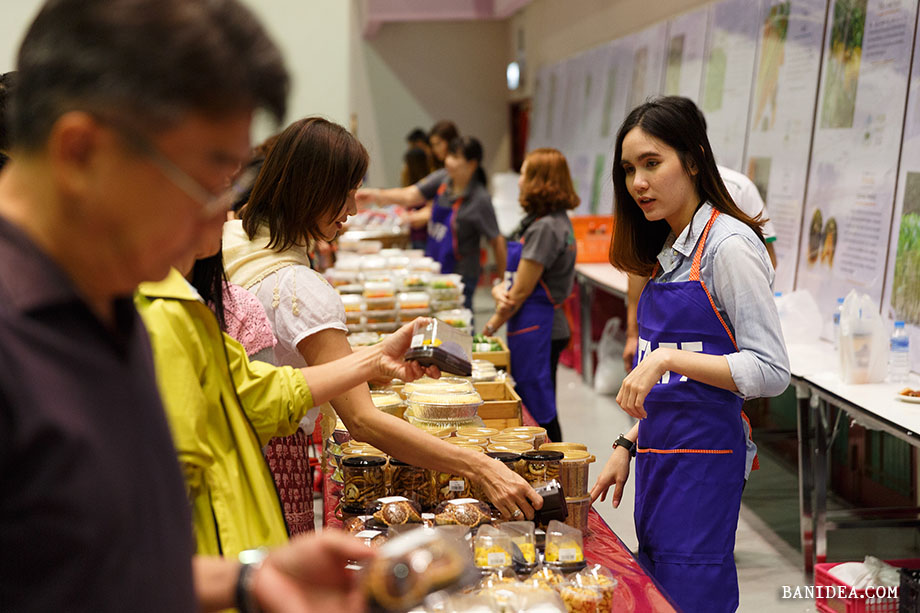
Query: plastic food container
{"type": "Point", "coordinates": [476, 431]}
{"type": "Point", "coordinates": [563, 447]}
{"type": "Point", "coordinates": [513, 437]}
{"type": "Point", "coordinates": [414, 300]}
{"type": "Point", "coordinates": [444, 407]}
{"type": "Point", "coordinates": [447, 305]}
{"type": "Point", "coordinates": [367, 247]}
{"type": "Point", "coordinates": [415, 564]}
{"type": "Point", "coordinates": [413, 482]}
{"type": "Point", "coordinates": [415, 281]}
{"type": "Point", "coordinates": [436, 343]}
{"type": "Point", "coordinates": [445, 286]}
{"type": "Point", "coordinates": [597, 577]}
{"type": "Point", "coordinates": [338, 277]}
{"type": "Point", "coordinates": [458, 318]}
{"type": "Point", "coordinates": [379, 289]}
{"type": "Point", "coordinates": [373, 263]}
{"type": "Point", "coordinates": [578, 508]}
{"type": "Point", "coordinates": [508, 458]}
{"type": "Point", "coordinates": [509, 447]}
{"type": "Point", "coordinates": [541, 465]}
{"type": "Point", "coordinates": [380, 317]}
{"type": "Point", "coordinates": [446, 385]}
{"type": "Point", "coordinates": [538, 433]}
{"type": "Point", "coordinates": [397, 262]}
{"type": "Point", "coordinates": [386, 304]}
{"type": "Point", "coordinates": [421, 264]}
{"type": "Point", "coordinates": [483, 370]}
{"type": "Point", "coordinates": [580, 599]}
{"type": "Point", "coordinates": [364, 481]}
{"type": "Point", "coordinates": [492, 548]}
{"type": "Point", "coordinates": [434, 428]}
{"type": "Point", "coordinates": [356, 327]}
{"type": "Point", "coordinates": [388, 401]}
{"type": "Point", "coordinates": [472, 440]}
{"type": "Point", "coordinates": [523, 538]}
{"type": "Point", "coordinates": [564, 546]}
{"type": "Point", "coordinates": [351, 288]}
{"type": "Point", "coordinates": [383, 327]}
{"type": "Point", "coordinates": [573, 472]}
{"type": "Point", "coordinates": [352, 303]}
{"type": "Point", "coordinates": [406, 315]}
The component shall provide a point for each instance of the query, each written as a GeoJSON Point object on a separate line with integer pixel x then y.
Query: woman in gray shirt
{"type": "Point", "coordinates": [540, 275]}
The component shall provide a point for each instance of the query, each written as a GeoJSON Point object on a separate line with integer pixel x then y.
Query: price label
{"type": "Point", "coordinates": [498, 558]}
{"type": "Point", "coordinates": [417, 341]}
{"type": "Point", "coordinates": [568, 555]}
{"type": "Point", "coordinates": [457, 486]}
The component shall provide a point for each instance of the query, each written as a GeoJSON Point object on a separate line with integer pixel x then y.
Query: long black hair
{"type": "Point", "coordinates": [677, 122]}
{"type": "Point", "coordinates": [208, 277]}
{"type": "Point", "coordinates": [471, 150]}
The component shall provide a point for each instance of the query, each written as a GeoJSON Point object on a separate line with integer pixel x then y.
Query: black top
{"type": "Point", "coordinates": [93, 511]}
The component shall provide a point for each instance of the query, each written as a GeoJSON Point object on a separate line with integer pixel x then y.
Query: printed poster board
{"type": "Point", "coordinates": [686, 47]}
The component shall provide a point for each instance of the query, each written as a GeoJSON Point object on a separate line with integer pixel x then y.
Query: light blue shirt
{"type": "Point", "coordinates": [736, 269]}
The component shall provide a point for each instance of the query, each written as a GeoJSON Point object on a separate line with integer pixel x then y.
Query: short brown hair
{"type": "Point", "coordinates": [547, 183]}
{"type": "Point", "coordinates": [306, 176]}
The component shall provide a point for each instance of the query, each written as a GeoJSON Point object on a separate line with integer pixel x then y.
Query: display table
{"type": "Point", "coordinates": [819, 390]}
{"type": "Point", "coordinates": [591, 277]}
{"type": "Point", "coordinates": [636, 590]}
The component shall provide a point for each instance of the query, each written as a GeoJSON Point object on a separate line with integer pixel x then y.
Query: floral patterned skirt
{"type": "Point", "coordinates": [289, 461]}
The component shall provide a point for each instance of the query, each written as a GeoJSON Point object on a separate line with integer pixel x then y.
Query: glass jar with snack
{"type": "Point", "coordinates": [413, 482]}
{"type": "Point", "coordinates": [364, 481]}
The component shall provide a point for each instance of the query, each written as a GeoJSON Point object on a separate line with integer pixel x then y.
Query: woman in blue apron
{"type": "Point", "coordinates": [539, 276]}
{"type": "Point", "coordinates": [709, 337]}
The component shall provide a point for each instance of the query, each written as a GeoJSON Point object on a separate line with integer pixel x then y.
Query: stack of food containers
{"type": "Point", "coordinates": [573, 475]}
{"type": "Point", "coordinates": [380, 306]}
{"type": "Point", "coordinates": [439, 403]}
{"type": "Point", "coordinates": [446, 292]}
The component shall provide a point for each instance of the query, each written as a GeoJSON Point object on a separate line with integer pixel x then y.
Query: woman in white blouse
{"type": "Point", "coordinates": [305, 192]}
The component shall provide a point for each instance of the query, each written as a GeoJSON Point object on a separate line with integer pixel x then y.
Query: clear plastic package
{"type": "Point", "coordinates": [352, 303]}
{"type": "Point", "coordinates": [547, 575]}
{"type": "Point", "coordinates": [356, 328]}
{"type": "Point", "coordinates": [446, 385]}
{"type": "Point", "coordinates": [414, 301]}
{"type": "Point", "coordinates": [386, 328]}
{"type": "Point", "coordinates": [522, 537]}
{"type": "Point", "coordinates": [363, 339]}
{"type": "Point", "coordinates": [371, 538]}
{"type": "Point", "coordinates": [397, 510]}
{"type": "Point", "coordinates": [578, 507]}
{"type": "Point", "coordinates": [597, 577]}
{"type": "Point", "coordinates": [484, 370]}
{"type": "Point", "coordinates": [573, 472]}
{"type": "Point", "coordinates": [444, 406]}
{"type": "Point", "coordinates": [464, 512]}
{"type": "Point", "coordinates": [379, 289]}
{"type": "Point", "coordinates": [564, 547]}
{"type": "Point", "coordinates": [388, 401]}
{"type": "Point", "coordinates": [458, 318]}
{"type": "Point", "coordinates": [415, 564]}
{"type": "Point", "coordinates": [581, 599]}
{"type": "Point", "coordinates": [436, 343]}
{"type": "Point", "coordinates": [385, 304]}
{"type": "Point", "coordinates": [446, 305]}
{"type": "Point", "coordinates": [338, 276]}
{"type": "Point", "coordinates": [476, 431]}
{"type": "Point", "coordinates": [380, 316]}
{"type": "Point", "coordinates": [373, 263]}
{"type": "Point", "coordinates": [422, 264]}
{"type": "Point", "coordinates": [364, 481]}
{"type": "Point", "coordinates": [445, 286]}
{"type": "Point", "coordinates": [413, 482]}
{"type": "Point", "coordinates": [415, 281]}
{"type": "Point", "coordinates": [491, 548]}
{"type": "Point", "coordinates": [351, 288]}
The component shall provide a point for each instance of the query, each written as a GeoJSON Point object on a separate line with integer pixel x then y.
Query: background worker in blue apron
{"type": "Point", "coordinates": [709, 337]}
{"type": "Point", "coordinates": [539, 277]}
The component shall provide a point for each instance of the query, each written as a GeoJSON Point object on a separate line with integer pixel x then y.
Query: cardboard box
{"type": "Point", "coordinates": [501, 407]}
{"type": "Point", "coordinates": [501, 359]}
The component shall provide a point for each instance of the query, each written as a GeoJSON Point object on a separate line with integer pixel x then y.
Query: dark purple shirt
{"type": "Point", "coordinates": [93, 510]}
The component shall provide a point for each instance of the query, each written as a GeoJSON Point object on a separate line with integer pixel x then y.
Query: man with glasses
{"type": "Point", "coordinates": [128, 118]}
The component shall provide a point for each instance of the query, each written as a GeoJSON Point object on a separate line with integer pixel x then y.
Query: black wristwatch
{"type": "Point", "coordinates": [625, 443]}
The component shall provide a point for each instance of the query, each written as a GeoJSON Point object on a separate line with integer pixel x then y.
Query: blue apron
{"type": "Point", "coordinates": [442, 232]}
{"type": "Point", "coordinates": [691, 452]}
{"type": "Point", "coordinates": [530, 334]}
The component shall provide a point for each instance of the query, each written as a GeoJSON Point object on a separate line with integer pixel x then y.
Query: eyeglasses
{"type": "Point", "coordinates": [211, 204]}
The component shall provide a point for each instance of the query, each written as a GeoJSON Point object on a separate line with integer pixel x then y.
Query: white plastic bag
{"type": "Point", "coordinates": [610, 372]}
{"type": "Point", "coordinates": [799, 316]}
{"type": "Point", "coordinates": [863, 341]}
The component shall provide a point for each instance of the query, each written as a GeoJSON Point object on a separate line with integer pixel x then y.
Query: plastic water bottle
{"type": "Point", "coordinates": [899, 356]}
{"type": "Point", "coordinates": [837, 313]}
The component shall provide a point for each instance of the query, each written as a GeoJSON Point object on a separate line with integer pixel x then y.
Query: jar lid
{"type": "Point", "coordinates": [543, 456]}
{"type": "Point", "coordinates": [395, 462]}
{"type": "Point", "coordinates": [564, 446]}
{"type": "Point", "coordinates": [504, 456]}
{"type": "Point", "coordinates": [576, 456]}
{"type": "Point", "coordinates": [363, 461]}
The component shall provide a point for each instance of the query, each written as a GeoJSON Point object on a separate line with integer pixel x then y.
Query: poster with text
{"type": "Point", "coordinates": [646, 51]}
{"type": "Point", "coordinates": [901, 299]}
{"type": "Point", "coordinates": [854, 161]}
{"type": "Point", "coordinates": [592, 107]}
{"type": "Point", "coordinates": [782, 114]}
{"type": "Point", "coordinates": [573, 95]}
{"type": "Point", "coordinates": [686, 46]}
{"type": "Point", "coordinates": [728, 73]}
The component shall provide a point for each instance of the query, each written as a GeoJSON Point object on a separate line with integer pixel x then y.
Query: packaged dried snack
{"type": "Point", "coordinates": [413, 482]}
{"type": "Point", "coordinates": [541, 465]}
{"type": "Point", "coordinates": [573, 472]}
{"type": "Point", "coordinates": [434, 342]}
{"type": "Point", "coordinates": [524, 543]}
{"type": "Point", "coordinates": [491, 548]}
{"type": "Point", "coordinates": [578, 508]}
{"type": "Point", "coordinates": [463, 511]}
{"type": "Point", "coordinates": [364, 482]}
{"type": "Point", "coordinates": [580, 599]}
{"type": "Point", "coordinates": [597, 577]}
{"type": "Point", "coordinates": [372, 538]}
{"type": "Point", "coordinates": [547, 576]}
{"type": "Point", "coordinates": [564, 546]}
{"type": "Point", "coordinates": [388, 401]}
{"type": "Point", "coordinates": [396, 510]}
{"type": "Point", "coordinates": [415, 564]}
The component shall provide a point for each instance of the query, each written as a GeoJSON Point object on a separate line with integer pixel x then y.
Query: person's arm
{"type": "Point", "coordinates": [635, 285]}
{"type": "Point", "coordinates": [508, 303]}
{"type": "Point", "coordinates": [403, 196]}
{"type": "Point", "coordinates": [419, 218]}
{"type": "Point", "coordinates": [616, 471]}
{"type": "Point", "coordinates": [305, 576]}
{"type": "Point", "coordinates": [505, 488]}
{"type": "Point", "coordinates": [500, 251]}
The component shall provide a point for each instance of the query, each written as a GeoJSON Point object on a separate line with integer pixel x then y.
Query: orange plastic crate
{"type": "Point", "coordinates": [592, 238]}
{"type": "Point", "coordinates": [862, 601]}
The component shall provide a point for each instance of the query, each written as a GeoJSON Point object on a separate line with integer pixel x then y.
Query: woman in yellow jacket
{"type": "Point", "coordinates": [222, 408]}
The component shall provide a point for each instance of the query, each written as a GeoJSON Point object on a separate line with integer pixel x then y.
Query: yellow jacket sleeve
{"type": "Point", "coordinates": [274, 398]}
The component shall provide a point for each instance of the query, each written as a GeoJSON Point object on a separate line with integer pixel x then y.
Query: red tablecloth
{"type": "Point", "coordinates": [636, 591]}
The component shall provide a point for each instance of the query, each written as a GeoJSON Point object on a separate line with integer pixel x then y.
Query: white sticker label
{"type": "Point", "coordinates": [457, 486]}
{"type": "Point", "coordinates": [389, 499]}
{"type": "Point", "coordinates": [416, 341]}
{"type": "Point", "coordinates": [567, 555]}
{"type": "Point", "coordinates": [498, 558]}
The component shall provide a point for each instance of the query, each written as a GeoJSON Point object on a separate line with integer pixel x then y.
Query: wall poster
{"type": "Point", "coordinates": [854, 161]}
{"type": "Point", "coordinates": [781, 118]}
{"type": "Point", "coordinates": [686, 46]}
